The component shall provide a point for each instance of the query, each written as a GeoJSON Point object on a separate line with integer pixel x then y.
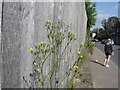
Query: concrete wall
{"type": "Point", "coordinates": [0, 42]}
{"type": "Point", "coordinates": [23, 27]}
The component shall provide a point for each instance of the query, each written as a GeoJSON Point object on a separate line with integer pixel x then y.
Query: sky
{"type": "Point", "coordinates": [105, 10]}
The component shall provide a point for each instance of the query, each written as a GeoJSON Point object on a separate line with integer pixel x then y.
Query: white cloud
{"type": "Point", "coordinates": [104, 15]}
{"type": "Point", "coordinates": [99, 18]}
{"type": "Point", "coordinates": [116, 7]}
{"type": "Point", "coordinates": [101, 12]}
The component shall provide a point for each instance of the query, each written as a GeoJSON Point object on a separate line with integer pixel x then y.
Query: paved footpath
{"type": "Point", "coordinates": [103, 77]}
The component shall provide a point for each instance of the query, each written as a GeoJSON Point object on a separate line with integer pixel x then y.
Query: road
{"type": "Point", "coordinates": [115, 58]}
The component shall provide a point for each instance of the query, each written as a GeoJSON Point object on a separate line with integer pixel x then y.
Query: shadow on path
{"type": "Point", "coordinates": [97, 62]}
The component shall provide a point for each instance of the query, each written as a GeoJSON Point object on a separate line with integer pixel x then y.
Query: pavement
{"type": "Point", "coordinates": [102, 77]}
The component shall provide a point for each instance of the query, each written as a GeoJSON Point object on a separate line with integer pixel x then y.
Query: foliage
{"type": "Point", "coordinates": [110, 25]}
{"type": "Point", "coordinates": [105, 34]}
{"type": "Point", "coordinates": [91, 15]}
{"type": "Point", "coordinates": [51, 51]}
{"type": "Point", "coordinates": [89, 45]}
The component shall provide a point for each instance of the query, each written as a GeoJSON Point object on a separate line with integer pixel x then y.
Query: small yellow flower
{"type": "Point", "coordinates": [31, 49]}
{"type": "Point", "coordinates": [75, 67]}
{"type": "Point", "coordinates": [37, 51]}
{"type": "Point", "coordinates": [97, 60]}
{"type": "Point", "coordinates": [81, 56]}
{"type": "Point", "coordinates": [93, 42]}
{"type": "Point", "coordinates": [41, 42]}
{"type": "Point", "coordinates": [34, 64]}
{"type": "Point", "coordinates": [79, 53]}
{"type": "Point", "coordinates": [49, 21]}
{"type": "Point", "coordinates": [38, 69]}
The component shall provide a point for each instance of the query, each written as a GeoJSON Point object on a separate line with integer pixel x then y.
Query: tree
{"type": "Point", "coordinates": [104, 34]}
{"type": "Point", "coordinates": [104, 24]}
{"type": "Point", "coordinates": [91, 15]}
{"type": "Point", "coordinates": [110, 23]}
{"type": "Point", "coordinates": [111, 28]}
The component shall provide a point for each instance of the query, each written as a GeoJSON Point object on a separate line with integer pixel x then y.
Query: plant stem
{"type": "Point", "coordinates": [67, 73]}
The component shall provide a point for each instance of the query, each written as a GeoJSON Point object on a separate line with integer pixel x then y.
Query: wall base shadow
{"type": "Point", "coordinates": [97, 62]}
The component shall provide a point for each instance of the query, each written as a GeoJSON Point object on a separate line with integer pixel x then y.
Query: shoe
{"type": "Point", "coordinates": [104, 64]}
{"type": "Point", "coordinates": [107, 65]}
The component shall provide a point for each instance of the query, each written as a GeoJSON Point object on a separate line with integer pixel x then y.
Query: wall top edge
{"type": "Point", "coordinates": [59, 0]}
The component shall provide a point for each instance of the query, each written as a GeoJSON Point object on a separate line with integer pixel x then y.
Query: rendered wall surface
{"type": "Point", "coordinates": [23, 27]}
{"type": "Point", "coordinates": [0, 42]}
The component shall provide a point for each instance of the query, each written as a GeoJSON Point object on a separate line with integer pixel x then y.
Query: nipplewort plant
{"type": "Point", "coordinates": [53, 51]}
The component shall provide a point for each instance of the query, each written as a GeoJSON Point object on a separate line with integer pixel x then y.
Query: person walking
{"type": "Point", "coordinates": [108, 52]}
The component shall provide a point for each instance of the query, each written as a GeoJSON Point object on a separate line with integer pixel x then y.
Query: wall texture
{"type": "Point", "coordinates": [23, 27]}
{"type": "Point", "coordinates": [0, 42]}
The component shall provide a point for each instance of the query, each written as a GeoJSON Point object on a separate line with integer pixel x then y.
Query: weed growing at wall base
{"type": "Point", "coordinates": [53, 52]}
{"type": "Point", "coordinates": [89, 45]}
